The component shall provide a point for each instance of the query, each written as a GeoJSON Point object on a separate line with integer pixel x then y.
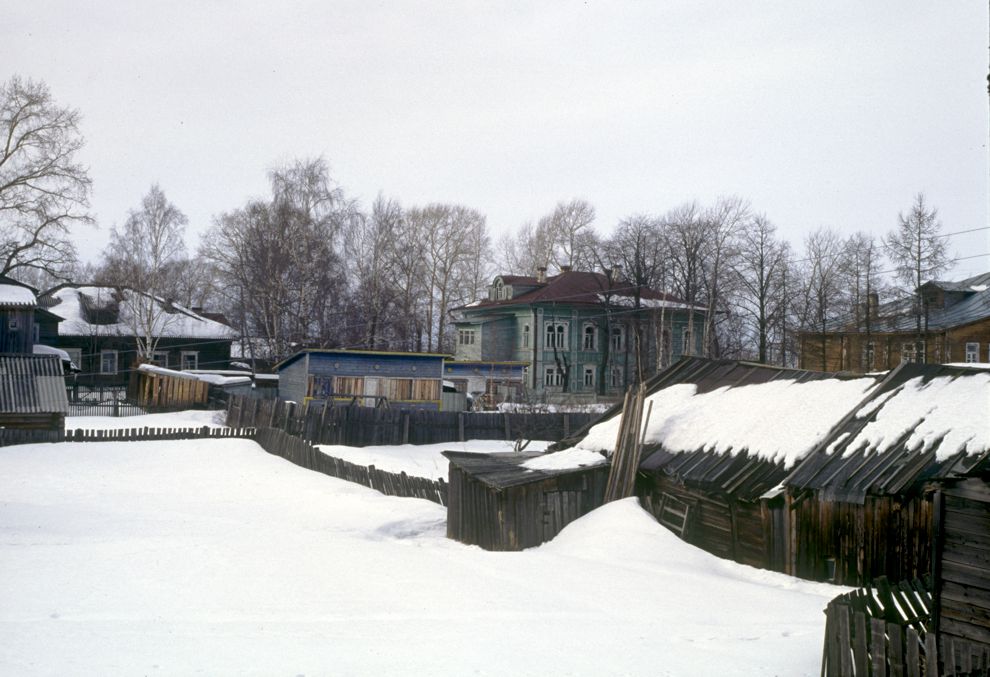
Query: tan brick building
{"type": "Point", "coordinates": [955, 321]}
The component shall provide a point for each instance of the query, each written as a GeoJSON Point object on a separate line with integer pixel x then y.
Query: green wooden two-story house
{"type": "Point", "coordinates": [583, 334]}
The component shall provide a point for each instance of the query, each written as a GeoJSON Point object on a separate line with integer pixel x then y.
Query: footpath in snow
{"type": "Point", "coordinates": [214, 557]}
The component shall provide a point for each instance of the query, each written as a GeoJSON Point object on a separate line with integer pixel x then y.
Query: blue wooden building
{"type": "Point", "coordinates": [369, 378]}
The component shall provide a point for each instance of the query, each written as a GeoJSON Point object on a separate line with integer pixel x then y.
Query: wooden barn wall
{"type": "Point", "coordinates": [886, 536]}
{"type": "Point", "coordinates": [522, 516]}
{"type": "Point", "coordinates": [962, 574]}
{"type": "Point", "coordinates": [731, 529]}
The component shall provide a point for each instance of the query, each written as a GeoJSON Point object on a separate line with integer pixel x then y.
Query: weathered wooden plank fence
{"type": "Point", "coordinates": [302, 453]}
{"type": "Point", "coordinates": [881, 631]}
{"type": "Point", "coordinates": [151, 434]}
{"type": "Point", "coordinates": [322, 422]}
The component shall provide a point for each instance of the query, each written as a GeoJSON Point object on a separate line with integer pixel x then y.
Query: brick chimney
{"type": "Point", "coordinates": [541, 274]}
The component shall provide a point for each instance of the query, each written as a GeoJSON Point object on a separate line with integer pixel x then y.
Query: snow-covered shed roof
{"type": "Point", "coordinates": [505, 470]}
{"type": "Point", "coordinates": [923, 422]}
{"type": "Point", "coordinates": [16, 296]}
{"type": "Point", "coordinates": [736, 427]}
{"type": "Point", "coordinates": [105, 311]}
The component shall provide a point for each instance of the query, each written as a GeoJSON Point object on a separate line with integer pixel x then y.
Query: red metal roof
{"type": "Point", "coordinates": [577, 287]}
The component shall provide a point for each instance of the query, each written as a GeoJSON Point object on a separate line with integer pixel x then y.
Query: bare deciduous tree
{"type": "Point", "coordinates": [919, 253]}
{"type": "Point", "coordinates": [44, 190]}
{"type": "Point", "coordinates": [138, 257]}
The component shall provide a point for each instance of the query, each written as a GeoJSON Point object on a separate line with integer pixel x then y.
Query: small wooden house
{"type": "Point", "coordinates": [861, 503]}
{"type": "Point", "coordinates": [33, 403]}
{"type": "Point", "coordinates": [495, 501]}
{"type": "Point", "coordinates": [367, 377]}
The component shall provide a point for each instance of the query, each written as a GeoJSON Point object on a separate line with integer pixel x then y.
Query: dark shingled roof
{"type": "Point", "coordinates": [899, 316]}
{"type": "Point", "coordinates": [32, 384]}
{"type": "Point", "coordinates": [504, 470]}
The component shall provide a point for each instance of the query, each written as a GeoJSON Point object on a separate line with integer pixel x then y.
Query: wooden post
{"type": "Point", "coordinates": [405, 427]}
{"type": "Point", "coordinates": [460, 426]}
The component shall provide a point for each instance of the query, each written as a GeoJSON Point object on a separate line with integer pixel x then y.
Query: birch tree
{"type": "Point", "coordinates": [138, 257]}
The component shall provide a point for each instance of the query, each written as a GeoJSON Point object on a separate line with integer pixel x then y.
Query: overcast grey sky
{"type": "Point", "coordinates": [833, 113]}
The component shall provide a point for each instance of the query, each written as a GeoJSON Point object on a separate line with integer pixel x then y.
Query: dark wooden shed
{"type": "Point", "coordinates": [962, 567]}
{"type": "Point", "coordinates": [33, 403]}
{"type": "Point", "coordinates": [497, 503]}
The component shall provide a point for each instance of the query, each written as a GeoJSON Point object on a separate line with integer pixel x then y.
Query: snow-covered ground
{"type": "Point", "coordinates": [419, 460]}
{"type": "Point", "coordinates": [213, 557]}
{"type": "Point", "coordinates": [192, 418]}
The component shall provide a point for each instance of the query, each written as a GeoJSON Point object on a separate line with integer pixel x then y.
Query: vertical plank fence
{"type": "Point", "coordinates": [300, 452]}
{"type": "Point", "coordinates": [323, 422]}
{"type": "Point", "coordinates": [881, 631]}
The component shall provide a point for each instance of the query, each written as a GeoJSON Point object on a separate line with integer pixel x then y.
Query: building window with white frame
{"type": "Point", "coordinates": [910, 353]}
{"type": "Point", "coordinates": [553, 377]}
{"type": "Point", "coordinates": [159, 358]}
{"type": "Point", "coordinates": [525, 336]}
{"type": "Point", "coordinates": [465, 337]}
{"type": "Point", "coordinates": [869, 356]}
{"type": "Point", "coordinates": [108, 361]}
{"type": "Point", "coordinates": [618, 339]}
{"type": "Point", "coordinates": [556, 335]}
{"type": "Point", "coordinates": [75, 356]}
{"type": "Point", "coordinates": [589, 377]}
{"type": "Point", "coordinates": [972, 352]}
{"type": "Point", "coordinates": [589, 334]}
{"type": "Point", "coordinates": [190, 360]}
{"type": "Point", "coordinates": [615, 377]}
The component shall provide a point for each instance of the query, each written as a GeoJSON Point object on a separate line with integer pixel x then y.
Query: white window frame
{"type": "Point", "coordinates": [194, 354]}
{"type": "Point", "coordinates": [466, 337]}
{"type": "Point", "coordinates": [870, 355]}
{"type": "Point", "coordinates": [589, 376]}
{"type": "Point", "coordinates": [590, 330]}
{"type": "Point", "coordinates": [615, 377]}
{"type": "Point", "coordinates": [159, 358]}
{"type": "Point", "coordinates": [75, 356]}
{"type": "Point", "coordinates": [525, 336]}
{"type": "Point", "coordinates": [909, 352]}
{"type": "Point", "coordinates": [553, 377]}
{"type": "Point", "coordinates": [972, 351]}
{"type": "Point", "coordinates": [617, 339]}
{"type": "Point", "coordinates": [116, 362]}
{"type": "Point", "coordinates": [555, 335]}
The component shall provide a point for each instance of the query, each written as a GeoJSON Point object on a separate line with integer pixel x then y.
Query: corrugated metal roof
{"type": "Point", "coordinates": [846, 476]}
{"type": "Point", "coordinates": [32, 384]}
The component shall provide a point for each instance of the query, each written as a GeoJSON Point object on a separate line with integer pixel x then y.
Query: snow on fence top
{"type": "Point", "coordinates": [951, 411]}
{"type": "Point", "coordinates": [778, 421]}
{"type": "Point", "coordinates": [213, 379]}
